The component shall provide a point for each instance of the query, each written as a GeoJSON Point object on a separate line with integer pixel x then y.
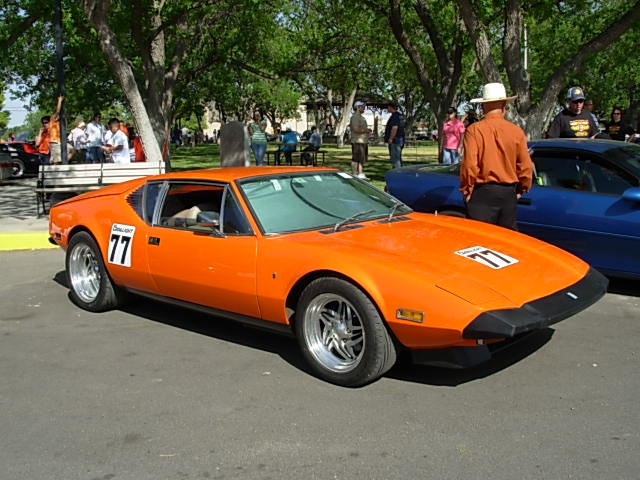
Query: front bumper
{"type": "Point", "coordinates": [539, 313]}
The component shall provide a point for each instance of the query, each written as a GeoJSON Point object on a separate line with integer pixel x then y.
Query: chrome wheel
{"type": "Point", "coordinates": [334, 333]}
{"type": "Point", "coordinates": [84, 272]}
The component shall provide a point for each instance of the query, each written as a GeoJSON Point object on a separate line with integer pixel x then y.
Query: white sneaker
{"type": "Point", "coordinates": [362, 176]}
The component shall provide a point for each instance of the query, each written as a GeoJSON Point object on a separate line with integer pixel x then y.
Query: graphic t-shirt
{"type": "Point", "coordinates": [570, 125]}
{"type": "Point", "coordinates": [618, 130]}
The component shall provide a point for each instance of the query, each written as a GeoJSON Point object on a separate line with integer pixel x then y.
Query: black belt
{"type": "Point", "coordinates": [497, 183]}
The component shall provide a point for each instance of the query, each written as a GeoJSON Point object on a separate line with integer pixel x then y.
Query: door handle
{"type": "Point", "coordinates": [524, 201]}
{"type": "Point", "coordinates": [154, 240]}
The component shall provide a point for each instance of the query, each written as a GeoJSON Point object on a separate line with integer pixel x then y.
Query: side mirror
{"type": "Point", "coordinates": [632, 194]}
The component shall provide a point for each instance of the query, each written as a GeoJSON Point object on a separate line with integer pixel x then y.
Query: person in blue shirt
{"type": "Point", "coordinates": [289, 145]}
{"type": "Point", "coordinates": [315, 140]}
{"type": "Point", "coordinates": [394, 135]}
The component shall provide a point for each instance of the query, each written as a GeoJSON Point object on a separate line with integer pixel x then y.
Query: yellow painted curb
{"type": "Point", "coordinates": [25, 241]}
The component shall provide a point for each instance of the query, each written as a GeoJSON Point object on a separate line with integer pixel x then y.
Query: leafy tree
{"type": "Point", "coordinates": [4, 114]}
{"type": "Point", "coordinates": [563, 36]}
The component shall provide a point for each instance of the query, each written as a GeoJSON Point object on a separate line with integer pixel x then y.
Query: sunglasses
{"type": "Point", "coordinates": [577, 101]}
{"type": "Point", "coordinates": [617, 113]}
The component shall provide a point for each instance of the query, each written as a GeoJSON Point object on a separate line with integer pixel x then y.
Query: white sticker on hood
{"type": "Point", "coordinates": [487, 257]}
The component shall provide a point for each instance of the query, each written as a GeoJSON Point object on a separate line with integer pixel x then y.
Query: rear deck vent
{"type": "Point", "coordinates": [135, 200]}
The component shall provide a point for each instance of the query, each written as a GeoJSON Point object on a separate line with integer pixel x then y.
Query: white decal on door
{"type": "Point", "coordinates": [120, 244]}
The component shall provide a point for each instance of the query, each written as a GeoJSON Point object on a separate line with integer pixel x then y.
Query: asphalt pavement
{"type": "Point", "coordinates": [157, 392]}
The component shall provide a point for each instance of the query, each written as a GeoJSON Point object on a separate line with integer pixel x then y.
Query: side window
{"type": "Point", "coordinates": [557, 171]}
{"type": "Point", "coordinates": [233, 220]}
{"type": "Point", "coordinates": [192, 206]}
{"type": "Point", "coordinates": [151, 193]}
{"type": "Point", "coordinates": [606, 178]}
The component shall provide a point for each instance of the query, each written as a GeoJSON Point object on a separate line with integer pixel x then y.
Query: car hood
{"type": "Point", "coordinates": [480, 263]}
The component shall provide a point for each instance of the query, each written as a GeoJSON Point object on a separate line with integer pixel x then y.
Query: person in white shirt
{"type": "Point", "coordinates": [94, 131]}
{"type": "Point", "coordinates": [117, 143]}
{"type": "Point", "coordinates": [78, 141]}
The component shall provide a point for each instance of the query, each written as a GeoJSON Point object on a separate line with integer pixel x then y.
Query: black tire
{"type": "Point", "coordinates": [341, 333]}
{"type": "Point", "coordinates": [452, 213]}
{"type": "Point", "coordinates": [18, 169]}
{"type": "Point", "coordinates": [89, 283]}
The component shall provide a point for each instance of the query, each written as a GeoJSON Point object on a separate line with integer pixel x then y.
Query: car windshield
{"type": "Point", "coordinates": [629, 156]}
{"type": "Point", "coordinates": [310, 200]}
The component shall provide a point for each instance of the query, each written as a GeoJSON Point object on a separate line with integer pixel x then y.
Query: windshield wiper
{"type": "Point", "coordinates": [393, 209]}
{"type": "Point", "coordinates": [349, 219]}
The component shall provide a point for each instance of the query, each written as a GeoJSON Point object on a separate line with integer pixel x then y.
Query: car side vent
{"type": "Point", "coordinates": [135, 200]}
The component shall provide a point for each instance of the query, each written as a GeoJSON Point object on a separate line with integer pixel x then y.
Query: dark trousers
{"type": "Point", "coordinates": [494, 203]}
{"type": "Point", "coordinates": [287, 155]}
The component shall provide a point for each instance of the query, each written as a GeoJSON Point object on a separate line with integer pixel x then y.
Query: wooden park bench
{"type": "Point", "coordinates": [57, 182]}
{"type": "Point", "coordinates": [297, 154]}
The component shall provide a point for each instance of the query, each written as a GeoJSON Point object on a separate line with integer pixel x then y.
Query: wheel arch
{"type": "Point", "coordinates": [298, 287]}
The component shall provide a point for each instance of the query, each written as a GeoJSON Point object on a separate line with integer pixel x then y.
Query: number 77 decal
{"type": "Point", "coordinates": [120, 244]}
{"type": "Point", "coordinates": [487, 257]}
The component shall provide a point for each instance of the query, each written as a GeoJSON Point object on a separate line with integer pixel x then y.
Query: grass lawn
{"type": "Point", "coordinates": [208, 156]}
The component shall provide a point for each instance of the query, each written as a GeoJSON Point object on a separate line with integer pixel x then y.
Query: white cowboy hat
{"type": "Point", "coordinates": [493, 92]}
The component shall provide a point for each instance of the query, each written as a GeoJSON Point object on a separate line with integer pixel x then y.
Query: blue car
{"type": "Point", "coordinates": [585, 199]}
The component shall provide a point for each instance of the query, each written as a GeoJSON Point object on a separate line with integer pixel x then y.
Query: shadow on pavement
{"type": "Point", "coordinates": [287, 347]}
{"type": "Point", "coordinates": [623, 286]}
{"type": "Point", "coordinates": [500, 360]}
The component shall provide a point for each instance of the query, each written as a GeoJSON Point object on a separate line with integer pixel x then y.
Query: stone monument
{"type": "Point", "coordinates": [234, 145]}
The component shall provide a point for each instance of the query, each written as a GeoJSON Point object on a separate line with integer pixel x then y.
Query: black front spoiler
{"type": "Point", "coordinates": [539, 313]}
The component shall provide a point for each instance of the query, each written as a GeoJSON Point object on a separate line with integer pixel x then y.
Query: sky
{"type": "Point", "coordinates": [16, 109]}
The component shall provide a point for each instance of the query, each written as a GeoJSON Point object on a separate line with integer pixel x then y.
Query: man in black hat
{"type": "Point", "coordinates": [574, 121]}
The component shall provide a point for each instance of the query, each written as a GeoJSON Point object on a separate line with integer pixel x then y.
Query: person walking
{"type": "Point", "coordinates": [573, 121]}
{"type": "Point", "coordinates": [452, 138]}
{"type": "Point", "coordinates": [95, 132]}
{"type": "Point", "coordinates": [359, 140]}
{"type": "Point", "coordinates": [496, 167]}
{"type": "Point", "coordinates": [394, 135]}
{"type": "Point", "coordinates": [258, 137]}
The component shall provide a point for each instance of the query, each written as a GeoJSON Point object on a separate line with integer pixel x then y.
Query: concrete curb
{"type": "Point", "coordinates": [25, 241]}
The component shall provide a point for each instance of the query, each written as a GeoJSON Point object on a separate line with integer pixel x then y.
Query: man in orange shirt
{"type": "Point", "coordinates": [496, 168]}
{"type": "Point", "coordinates": [48, 139]}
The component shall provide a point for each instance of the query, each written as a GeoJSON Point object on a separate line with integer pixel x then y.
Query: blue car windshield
{"type": "Point", "coordinates": [628, 156]}
{"type": "Point", "coordinates": [294, 202]}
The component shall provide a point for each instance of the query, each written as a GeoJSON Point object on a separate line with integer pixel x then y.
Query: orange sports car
{"type": "Point", "coordinates": [351, 271]}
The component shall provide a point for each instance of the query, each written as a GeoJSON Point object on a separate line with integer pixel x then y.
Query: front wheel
{"type": "Point", "coordinates": [90, 284]}
{"type": "Point", "coordinates": [341, 333]}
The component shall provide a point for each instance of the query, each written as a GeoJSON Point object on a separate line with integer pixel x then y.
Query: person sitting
{"type": "Point", "coordinates": [314, 145]}
{"type": "Point", "coordinates": [289, 145]}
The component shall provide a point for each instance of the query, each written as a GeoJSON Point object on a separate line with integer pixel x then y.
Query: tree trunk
{"type": "Point", "coordinates": [342, 120]}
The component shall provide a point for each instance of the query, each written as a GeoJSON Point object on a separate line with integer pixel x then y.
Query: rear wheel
{"type": "Point", "coordinates": [90, 284]}
{"type": "Point", "coordinates": [341, 333]}
{"type": "Point", "coordinates": [17, 170]}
